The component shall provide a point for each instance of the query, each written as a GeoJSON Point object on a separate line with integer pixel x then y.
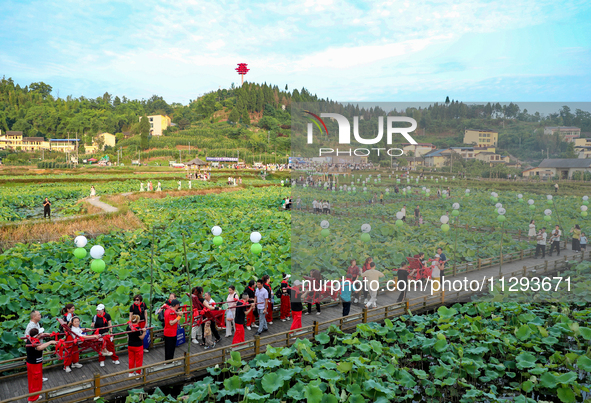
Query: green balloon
{"type": "Point", "coordinates": [349, 192]}
{"type": "Point", "coordinates": [501, 218]}
{"type": "Point", "coordinates": [495, 199]}
{"type": "Point", "coordinates": [520, 200]}
{"type": "Point", "coordinates": [455, 213]}
{"type": "Point", "coordinates": [324, 233]}
{"type": "Point", "coordinates": [256, 248]}
{"type": "Point", "coordinates": [492, 198]}
{"type": "Point", "coordinates": [365, 192]}
{"type": "Point", "coordinates": [549, 202]}
{"type": "Point", "coordinates": [444, 227]}
{"type": "Point", "coordinates": [586, 202]}
{"type": "Point", "coordinates": [445, 195]}
{"type": "Point", "coordinates": [97, 266]}
{"type": "Point", "coordinates": [282, 184]}
{"type": "Point", "coordinates": [218, 240]}
{"type": "Point", "coordinates": [532, 207]}
{"type": "Point", "coordinates": [80, 253]}
{"type": "Point", "coordinates": [399, 223]}
{"type": "Point", "coordinates": [547, 218]}
{"type": "Point", "coordinates": [584, 213]}
{"type": "Point", "coordinates": [365, 237]}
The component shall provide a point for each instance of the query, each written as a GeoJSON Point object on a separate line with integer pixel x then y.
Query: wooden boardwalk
{"type": "Point", "coordinates": [112, 380]}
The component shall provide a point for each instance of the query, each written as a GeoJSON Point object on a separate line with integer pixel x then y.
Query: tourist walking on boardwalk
{"type": "Point", "coordinates": [35, 363]}
{"type": "Point", "coordinates": [261, 301]}
{"type": "Point", "coordinates": [402, 283]}
{"type": "Point", "coordinates": [284, 298]}
{"type": "Point", "coordinates": [295, 297]}
{"type": "Point", "coordinates": [139, 308]}
{"type": "Point", "coordinates": [541, 244]}
{"type": "Point", "coordinates": [171, 320]}
{"type": "Point", "coordinates": [231, 310]}
{"type": "Point", "coordinates": [135, 344]}
{"type": "Point", "coordinates": [346, 295]}
{"type": "Point", "coordinates": [46, 208]}
{"type": "Point", "coordinates": [576, 231]}
{"type": "Point", "coordinates": [271, 300]}
{"type": "Point", "coordinates": [555, 241]}
{"type": "Point", "coordinates": [102, 322]}
{"type": "Point", "coordinates": [373, 277]}
{"type": "Point", "coordinates": [243, 309]}
{"type": "Point", "coordinates": [532, 230]}
{"type": "Point", "coordinates": [250, 290]}
{"type": "Point", "coordinates": [353, 271]}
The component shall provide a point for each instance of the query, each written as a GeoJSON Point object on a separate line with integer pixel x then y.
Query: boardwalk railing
{"type": "Point", "coordinates": [183, 368]}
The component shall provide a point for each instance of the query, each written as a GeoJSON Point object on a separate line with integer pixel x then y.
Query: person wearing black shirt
{"type": "Point", "coordinates": [242, 310]}
{"type": "Point", "coordinates": [442, 262]}
{"type": "Point", "coordinates": [402, 283]}
{"type": "Point", "coordinates": [46, 208]}
{"type": "Point", "coordinates": [139, 308]}
{"type": "Point", "coordinates": [102, 322]}
{"type": "Point", "coordinates": [135, 344]}
{"type": "Point", "coordinates": [35, 363]}
{"type": "Point", "coordinates": [250, 319]}
{"type": "Point", "coordinates": [295, 296]}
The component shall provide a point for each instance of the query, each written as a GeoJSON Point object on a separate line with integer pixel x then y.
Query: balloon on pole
{"type": "Point", "coordinates": [97, 252]}
{"type": "Point", "coordinates": [80, 241]}
{"type": "Point", "coordinates": [97, 266]}
{"type": "Point", "coordinates": [80, 253]}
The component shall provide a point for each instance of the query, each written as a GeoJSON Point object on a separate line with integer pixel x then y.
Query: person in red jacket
{"type": "Point", "coordinates": [171, 320]}
{"type": "Point", "coordinates": [35, 363]}
{"type": "Point", "coordinates": [285, 304]}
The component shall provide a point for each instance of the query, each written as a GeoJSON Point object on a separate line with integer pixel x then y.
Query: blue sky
{"type": "Point", "coordinates": [504, 50]}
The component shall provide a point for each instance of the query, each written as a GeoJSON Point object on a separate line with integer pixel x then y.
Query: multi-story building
{"type": "Point", "coordinates": [481, 138]}
{"type": "Point", "coordinates": [63, 145]}
{"type": "Point", "coordinates": [158, 123]}
{"type": "Point", "coordinates": [418, 150]}
{"type": "Point", "coordinates": [436, 158]}
{"type": "Point", "coordinates": [567, 133]}
{"type": "Point", "coordinates": [14, 140]}
{"type": "Point", "coordinates": [564, 168]}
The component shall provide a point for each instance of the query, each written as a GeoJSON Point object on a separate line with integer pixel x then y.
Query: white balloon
{"type": "Point", "coordinates": [495, 194]}
{"type": "Point", "coordinates": [549, 197]}
{"type": "Point", "coordinates": [444, 219]}
{"type": "Point", "coordinates": [80, 241]}
{"type": "Point", "coordinates": [456, 206]}
{"type": "Point", "coordinates": [498, 205]}
{"type": "Point", "coordinates": [354, 189]}
{"type": "Point", "coordinates": [365, 228]}
{"type": "Point", "coordinates": [399, 215]}
{"type": "Point", "coordinates": [424, 188]}
{"type": "Point", "coordinates": [364, 189]}
{"type": "Point", "coordinates": [530, 202]}
{"type": "Point", "coordinates": [324, 224]}
{"type": "Point", "coordinates": [428, 190]}
{"type": "Point", "coordinates": [387, 190]}
{"type": "Point", "coordinates": [548, 211]}
{"type": "Point", "coordinates": [585, 198]}
{"type": "Point", "coordinates": [97, 252]}
{"type": "Point", "coordinates": [492, 194]}
{"type": "Point", "coordinates": [520, 196]}
{"type": "Point", "coordinates": [216, 231]}
{"type": "Point", "coordinates": [583, 208]}
{"type": "Point", "coordinates": [467, 190]}
{"type": "Point", "coordinates": [255, 237]}
{"type": "Point", "coordinates": [501, 211]}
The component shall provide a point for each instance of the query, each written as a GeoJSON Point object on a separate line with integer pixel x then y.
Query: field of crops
{"type": "Point", "coordinates": [25, 200]}
{"type": "Point", "coordinates": [476, 352]}
{"type": "Point", "coordinates": [49, 276]}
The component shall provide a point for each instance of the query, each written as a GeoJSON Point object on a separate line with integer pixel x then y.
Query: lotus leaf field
{"type": "Point", "coordinates": [475, 352]}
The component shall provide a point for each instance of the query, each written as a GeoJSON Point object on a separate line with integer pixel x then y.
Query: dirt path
{"type": "Point", "coordinates": [103, 206]}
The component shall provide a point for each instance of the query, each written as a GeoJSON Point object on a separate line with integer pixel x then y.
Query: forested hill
{"type": "Point", "coordinates": [252, 116]}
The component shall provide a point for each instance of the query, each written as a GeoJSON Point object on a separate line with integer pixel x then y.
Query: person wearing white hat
{"type": "Point", "coordinates": [102, 322]}
{"type": "Point", "coordinates": [284, 295]}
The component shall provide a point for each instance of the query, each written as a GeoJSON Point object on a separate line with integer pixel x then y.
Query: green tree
{"type": "Point", "coordinates": [234, 116]}
{"type": "Point", "coordinates": [144, 130]}
{"type": "Point", "coordinates": [41, 88]}
{"type": "Point", "coordinates": [245, 116]}
{"type": "Point", "coordinates": [184, 123]}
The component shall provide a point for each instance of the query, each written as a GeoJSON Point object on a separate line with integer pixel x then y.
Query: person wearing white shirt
{"type": "Point", "coordinates": [541, 245]}
{"type": "Point", "coordinates": [34, 323]}
{"type": "Point", "coordinates": [230, 310]}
